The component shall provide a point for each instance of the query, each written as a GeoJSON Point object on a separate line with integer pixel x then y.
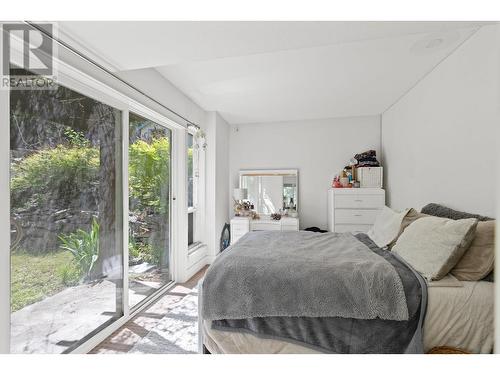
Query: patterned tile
{"type": "Point", "coordinates": [173, 311]}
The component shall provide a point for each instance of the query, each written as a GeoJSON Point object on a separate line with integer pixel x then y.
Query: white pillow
{"type": "Point", "coordinates": [434, 245]}
{"type": "Point", "coordinates": [387, 226]}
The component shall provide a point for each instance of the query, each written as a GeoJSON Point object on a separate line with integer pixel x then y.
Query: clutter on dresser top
{"type": "Point", "coordinates": [363, 171]}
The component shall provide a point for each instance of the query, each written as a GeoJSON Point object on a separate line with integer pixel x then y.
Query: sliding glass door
{"type": "Point", "coordinates": [149, 169]}
{"type": "Point", "coordinates": [66, 218]}
{"type": "Point", "coordinates": [90, 212]}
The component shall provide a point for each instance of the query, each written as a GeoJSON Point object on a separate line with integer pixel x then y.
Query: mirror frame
{"type": "Point", "coordinates": [272, 172]}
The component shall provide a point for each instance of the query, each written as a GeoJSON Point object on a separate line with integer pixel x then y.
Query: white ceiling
{"type": "Point", "coordinates": [277, 71]}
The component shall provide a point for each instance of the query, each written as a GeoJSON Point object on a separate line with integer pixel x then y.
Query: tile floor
{"type": "Point", "coordinates": [124, 339]}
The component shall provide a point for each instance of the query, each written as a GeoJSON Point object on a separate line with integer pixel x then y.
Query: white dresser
{"type": "Point", "coordinates": [242, 225]}
{"type": "Point", "coordinates": [351, 210]}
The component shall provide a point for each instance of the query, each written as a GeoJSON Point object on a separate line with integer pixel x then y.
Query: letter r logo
{"type": "Point", "coordinates": [36, 47]}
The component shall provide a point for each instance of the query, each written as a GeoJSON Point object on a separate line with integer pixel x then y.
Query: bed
{"type": "Point", "coordinates": [458, 316]}
{"type": "Point", "coordinates": [345, 293]}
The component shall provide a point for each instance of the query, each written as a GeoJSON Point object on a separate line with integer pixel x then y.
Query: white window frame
{"type": "Point", "coordinates": [74, 79]}
{"type": "Point", "coordinates": [198, 193]}
{"type": "Point", "coordinates": [4, 217]}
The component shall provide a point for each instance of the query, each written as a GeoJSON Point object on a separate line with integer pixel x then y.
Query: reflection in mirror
{"type": "Point", "coordinates": [290, 192]}
{"type": "Point", "coordinates": [271, 191]}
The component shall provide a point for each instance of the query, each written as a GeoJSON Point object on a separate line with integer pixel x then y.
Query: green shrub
{"type": "Point", "coordinates": [76, 138]}
{"type": "Point", "coordinates": [58, 176]}
{"type": "Point", "coordinates": [84, 246]}
{"type": "Point", "coordinates": [149, 167]}
{"type": "Point", "coordinates": [190, 160]}
{"type": "Point", "coordinates": [155, 255]}
{"type": "Point", "coordinates": [54, 176]}
{"type": "Point", "coordinates": [134, 250]}
{"type": "Point", "coordinates": [145, 252]}
{"type": "Point", "coordinates": [70, 274]}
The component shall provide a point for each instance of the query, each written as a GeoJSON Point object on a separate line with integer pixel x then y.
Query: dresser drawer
{"type": "Point", "coordinates": [238, 229]}
{"type": "Point", "coordinates": [359, 201]}
{"type": "Point", "coordinates": [352, 228]}
{"type": "Point", "coordinates": [289, 224]}
{"type": "Point", "coordinates": [346, 216]}
{"type": "Point", "coordinates": [239, 223]}
{"type": "Point", "coordinates": [238, 232]}
{"type": "Point", "coordinates": [256, 225]}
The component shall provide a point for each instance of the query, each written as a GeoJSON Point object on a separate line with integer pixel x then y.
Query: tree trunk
{"type": "Point", "coordinates": [109, 264]}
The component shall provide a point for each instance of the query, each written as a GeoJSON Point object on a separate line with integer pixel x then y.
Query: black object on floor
{"type": "Point", "coordinates": [315, 229]}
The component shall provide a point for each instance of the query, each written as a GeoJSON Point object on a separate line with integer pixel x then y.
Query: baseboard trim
{"type": "Point", "coordinates": [192, 270]}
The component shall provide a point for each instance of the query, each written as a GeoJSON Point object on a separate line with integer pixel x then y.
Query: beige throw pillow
{"type": "Point", "coordinates": [479, 259]}
{"type": "Point", "coordinates": [434, 245]}
{"type": "Point", "coordinates": [409, 218]}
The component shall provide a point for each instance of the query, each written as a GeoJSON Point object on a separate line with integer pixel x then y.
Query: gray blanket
{"type": "Point", "coordinates": [302, 274]}
{"type": "Point", "coordinates": [348, 335]}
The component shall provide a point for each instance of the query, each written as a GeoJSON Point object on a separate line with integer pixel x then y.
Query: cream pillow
{"type": "Point", "coordinates": [434, 245]}
{"type": "Point", "coordinates": [409, 218]}
{"type": "Point", "coordinates": [479, 260]}
{"type": "Point", "coordinates": [387, 226]}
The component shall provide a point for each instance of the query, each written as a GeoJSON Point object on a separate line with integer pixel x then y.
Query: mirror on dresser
{"type": "Point", "coordinates": [271, 190]}
{"type": "Point", "coordinates": [268, 191]}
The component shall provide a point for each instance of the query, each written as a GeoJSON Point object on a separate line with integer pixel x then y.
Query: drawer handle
{"type": "Point", "coordinates": [358, 200]}
{"type": "Point", "coordinates": [358, 215]}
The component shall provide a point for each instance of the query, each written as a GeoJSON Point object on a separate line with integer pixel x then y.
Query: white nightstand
{"type": "Point", "coordinates": [352, 210]}
{"type": "Point", "coordinates": [242, 225]}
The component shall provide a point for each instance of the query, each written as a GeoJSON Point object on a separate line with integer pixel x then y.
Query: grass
{"type": "Point", "coordinates": [35, 277]}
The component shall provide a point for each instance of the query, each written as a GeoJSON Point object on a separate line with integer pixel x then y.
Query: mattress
{"type": "Point", "coordinates": [459, 314]}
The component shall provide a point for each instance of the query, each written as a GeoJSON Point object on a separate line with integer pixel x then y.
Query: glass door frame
{"type": "Point", "coordinates": [152, 116]}
{"type": "Point", "coordinates": [76, 80]}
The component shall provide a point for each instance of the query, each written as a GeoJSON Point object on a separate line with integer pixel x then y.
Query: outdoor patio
{"type": "Point", "coordinates": [58, 322]}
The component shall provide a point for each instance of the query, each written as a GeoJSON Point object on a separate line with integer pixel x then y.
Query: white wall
{"type": "Point", "coordinates": [222, 178]}
{"type": "Point", "coordinates": [149, 81]}
{"type": "Point", "coordinates": [155, 85]}
{"type": "Point", "coordinates": [217, 191]}
{"type": "Point", "coordinates": [439, 140]}
{"type": "Point", "coordinates": [319, 149]}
